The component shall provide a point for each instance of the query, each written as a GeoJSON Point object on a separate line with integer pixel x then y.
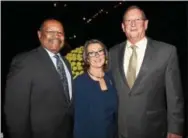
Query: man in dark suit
{"type": "Point", "coordinates": [147, 79]}
{"type": "Point", "coordinates": [39, 89]}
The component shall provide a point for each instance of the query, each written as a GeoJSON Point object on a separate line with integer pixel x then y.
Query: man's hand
{"type": "Point", "coordinates": [170, 135]}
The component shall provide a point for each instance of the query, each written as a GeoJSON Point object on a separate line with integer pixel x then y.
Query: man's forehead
{"type": "Point", "coordinates": [132, 12]}
{"type": "Point", "coordinates": [52, 23]}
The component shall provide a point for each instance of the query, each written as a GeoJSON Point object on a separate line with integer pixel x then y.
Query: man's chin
{"type": "Point", "coordinates": [134, 35]}
{"type": "Point", "coordinates": [55, 50]}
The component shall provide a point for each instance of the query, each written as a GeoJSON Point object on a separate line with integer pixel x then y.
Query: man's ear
{"type": "Point", "coordinates": [123, 27]}
{"type": "Point", "coordinates": [39, 34]}
{"type": "Point", "coordinates": [146, 24]}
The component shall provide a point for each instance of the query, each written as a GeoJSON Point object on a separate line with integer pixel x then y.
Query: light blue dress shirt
{"type": "Point", "coordinates": [66, 70]}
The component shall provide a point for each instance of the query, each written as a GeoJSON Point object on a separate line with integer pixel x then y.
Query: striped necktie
{"type": "Point", "coordinates": [62, 74]}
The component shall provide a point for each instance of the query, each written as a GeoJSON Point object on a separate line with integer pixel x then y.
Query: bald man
{"type": "Point", "coordinates": [39, 89]}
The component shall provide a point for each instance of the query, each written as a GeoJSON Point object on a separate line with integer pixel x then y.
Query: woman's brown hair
{"type": "Point", "coordinates": [85, 54]}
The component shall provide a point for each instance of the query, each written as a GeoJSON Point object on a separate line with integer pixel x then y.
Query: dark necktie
{"type": "Point", "coordinates": [62, 74]}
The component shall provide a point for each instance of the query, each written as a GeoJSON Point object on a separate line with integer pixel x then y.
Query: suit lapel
{"type": "Point", "coordinates": [121, 63]}
{"type": "Point", "coordinates": [48, 65]}
{"type": "Point", "coordinates": [70, 71]}
{"type": "Point", "coordinates": [145, 66]}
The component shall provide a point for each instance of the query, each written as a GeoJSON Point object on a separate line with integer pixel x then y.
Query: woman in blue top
{"type": "Point", "coordinates": [95, 101]}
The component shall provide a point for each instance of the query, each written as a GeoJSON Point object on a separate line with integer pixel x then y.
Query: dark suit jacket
{"type": "Point", "coordinates": [35, 104]}
{"type": "Point", "coordinates": [154, 106]}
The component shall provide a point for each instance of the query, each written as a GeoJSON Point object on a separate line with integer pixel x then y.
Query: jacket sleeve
{"type": "Point", "coordinates": [17, 100]}
{"type": "Point", "coordinates": [175, 101]}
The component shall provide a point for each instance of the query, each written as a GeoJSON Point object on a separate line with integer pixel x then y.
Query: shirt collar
{"type": "Point", "coordinates": [139, 44]}
{"type": "Point", "coordinates": [50, 53]}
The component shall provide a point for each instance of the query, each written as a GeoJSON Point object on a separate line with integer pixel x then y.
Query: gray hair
{"type": "Point", "coordinates": [134, 7]}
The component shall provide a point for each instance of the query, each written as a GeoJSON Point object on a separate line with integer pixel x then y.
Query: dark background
{"type": "Point", "coordinates": [168, 22]}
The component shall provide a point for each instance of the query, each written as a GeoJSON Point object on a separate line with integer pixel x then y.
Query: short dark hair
{"type": "Point", "coordinates": [85, 52]}
{"type": "Point", "coordinates": [134, 7]}
{"type": "Point", "coordinates": [46, 20]}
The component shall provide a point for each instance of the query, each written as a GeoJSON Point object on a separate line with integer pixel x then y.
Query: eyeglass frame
{"type": "Point", "coordinates": [99, 52]}
{"type": "Point", "coordinates": [50, 32]}
{"type": "Point", "coordinates": [138, 20]}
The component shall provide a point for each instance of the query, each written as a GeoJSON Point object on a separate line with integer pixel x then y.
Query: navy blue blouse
{"type": "Point", "coordinates": [95, 111]}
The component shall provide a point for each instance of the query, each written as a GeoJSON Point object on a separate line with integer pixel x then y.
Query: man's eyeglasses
{"type": "Point", "coordinates": [53, 32]}
{"type": "Point", "coordinates": [139, 20]}
{"type": "Point", "coordinates": [93, 54]}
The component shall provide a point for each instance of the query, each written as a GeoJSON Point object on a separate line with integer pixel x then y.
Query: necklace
{"type": "Point", "coordinates": [95, 76]}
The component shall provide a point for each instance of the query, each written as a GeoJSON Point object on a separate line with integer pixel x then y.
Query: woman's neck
{"type": "Point", "coordinates": [97, 72]}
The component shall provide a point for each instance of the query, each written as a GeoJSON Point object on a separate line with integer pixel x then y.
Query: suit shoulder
{"type": "Point", "coordinates": [164, 45]}
{"type": "Point", "coordinates": [24, 57]}
{"type": "Point", "coordinates": [164, 49]}
{"type": "Point", "coordinates": [20, 63]}
{"type": "Point", "coordinates": [117, 46]}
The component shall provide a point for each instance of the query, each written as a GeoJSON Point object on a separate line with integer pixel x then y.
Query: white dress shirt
{"type": "Point", "coordinates": [140, 50]}
{"type": "Point", "coordinates": [65, 67]}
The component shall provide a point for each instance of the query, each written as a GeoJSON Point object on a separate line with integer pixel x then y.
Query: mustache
{"type": "Point", "coordinates": [52, 39]}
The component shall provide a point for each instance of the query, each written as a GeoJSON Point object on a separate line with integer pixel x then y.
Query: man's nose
{"type": "Point", "coordinates": [133, 23]}
{"type": "Point", "coordinates": [56, 35]}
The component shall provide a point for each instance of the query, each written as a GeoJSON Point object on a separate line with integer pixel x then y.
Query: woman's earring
{"type": "Point", "coordinates": [106, 61]}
